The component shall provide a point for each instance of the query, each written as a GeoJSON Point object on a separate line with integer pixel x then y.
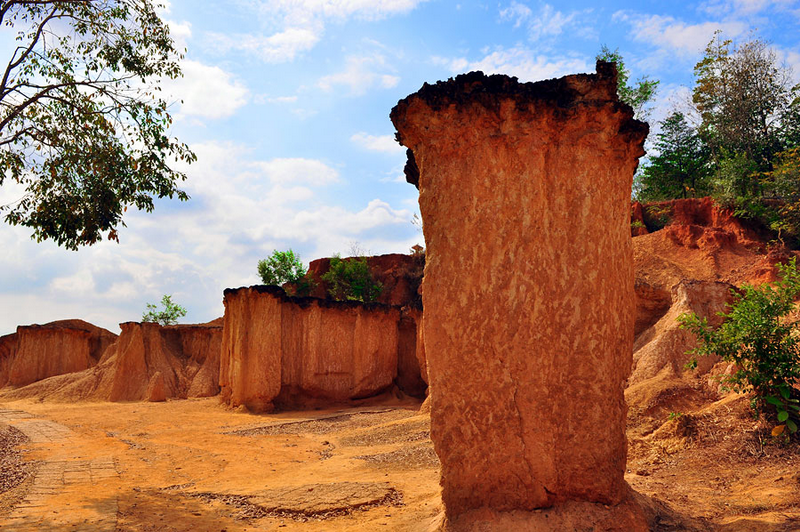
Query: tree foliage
{"type": "Point", "coordinates": [281, 267]}
{"type": "Point", "coordinates": [747, 105]}
{"type": "Point", "coordinates": [680, 167]}
{"type": "Point", "coordinates": [83, 128]}
{"type": "Point", "coordinates": [169, 315]}
{"type": "Point", "coordinates": [285, 268]}
{"type": "Point", "coordinates": [763, 345]}
{"type": "Point", "coordinates": [351, 279]}
{"type": "Point", "coordinates": [637, 95]}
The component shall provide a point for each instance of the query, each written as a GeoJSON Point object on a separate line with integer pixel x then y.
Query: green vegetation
{"type": "Point", "coordinates": [83, 128]}
{"type": "Point", "coordinates": [168, 316]}
{"type": "Point", "coordinates": [765, 348]}
{"type": "Point", "coordinates": [745, 150]}
{"type": "Point", "coordinates": [638, 96]}
{"type": "Point", "coordinates": [351, 279]}
{"type": "Point", "coordinates": [281, 267]}
{"type": "Point", "coordinates": [284, 267]}
{"type": "Point", "coordinates": [679, 168]}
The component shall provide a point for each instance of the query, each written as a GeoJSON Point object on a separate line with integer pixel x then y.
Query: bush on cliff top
{"type": "Point", "coordinates": [764, 346]}
{"type": "Point", "coordinates": [168, 316]}
{"type": "Point", "coordinates": [284, 267]}
{"type": "Point", "coordinates": [351, 279]}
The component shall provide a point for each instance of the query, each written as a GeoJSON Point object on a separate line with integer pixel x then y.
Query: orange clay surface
{"type": "Point", "coordinates": [193, 465]}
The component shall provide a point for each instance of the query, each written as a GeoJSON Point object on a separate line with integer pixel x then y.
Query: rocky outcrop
{"type": "Point", "coordinates": [183, 358]}
{"type": "Point", "coordinates": [660, 384]}
{"type": "Point", "coordinates": [287, 351]}
{"type": "Point", "coordinates": [36, 352]}
{"type": "Point", "coordinates": [8, 348]}
{"type": "Point", "coordinates": [399, 274]}
{"type": "Point", "coordinates": [528, 287]}
{"type": "Point", "coordinates": [147, 362]}
{"type": "Point", "coordinates": [663, 347]}
{"type": "Point", "coordinates": [411, 370]}
{"type": "Point", "coordinates": [697, 239]}
{"type": "Point", "coordinates": [651, 304]}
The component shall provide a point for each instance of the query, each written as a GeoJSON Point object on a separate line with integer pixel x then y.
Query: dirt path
{"type": "Point", "coordinates": [195, 466]}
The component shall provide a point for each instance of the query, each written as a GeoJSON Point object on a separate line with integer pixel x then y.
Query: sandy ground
{"type": "Point", "coordinates": [193, 465]}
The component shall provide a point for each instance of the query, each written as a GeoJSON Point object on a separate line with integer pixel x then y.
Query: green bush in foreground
{"type": "Point", "coordinates": [765, 348]}
{"type": "Point", "coordinates": [351, 279]}
{"type": "Point", "coordinates": [168, 316]}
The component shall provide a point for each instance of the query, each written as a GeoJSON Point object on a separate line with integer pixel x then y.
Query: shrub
{"type": "Point", "coordinates": [657, 216]}
{"type": "Point", "coordinates": [168, 316]}
{"type": "Point", "coordinates": [351, 279]}
{"type": "Point", "coordinates": [285, 267]}
{"type": "Point", "coordinates": [764, 346]}
{"type": "Point", "coordinates": [281, 267]}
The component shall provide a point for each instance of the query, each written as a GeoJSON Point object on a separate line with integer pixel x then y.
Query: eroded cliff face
{"type": "Point", "coordinates": [146, 362]}
{"type": "Point", "coordinates": [36, 352]}
{"type": "Point", "coordinates": [151, 362]}
{"type": "Point", "coordinates": [8, 348]}
{"type": "Point", "coordinates": [528, 286]}
{"type": "Point", "coordinates": [280, 350]}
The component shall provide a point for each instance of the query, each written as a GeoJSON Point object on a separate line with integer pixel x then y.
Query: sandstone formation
{"type": "Point", "coordinates": [147, 362]}
{"type": "Point", "coordinates": [8, 348]}
{"type": "Point", "coordinates": [652, 303]}
{"type": "Point", "coordinates": [702, 241]}
{"type": "Point", "coordinates": [662, 348]}
{"type": "Point", "coordinates": [185, 356]}
{"type": "Point", "coordinates": [660, 383]}
{"type": "Point", "coordinates": [399, 274]}
{"type": "Point", "coordinates": [36, 352]}
{"type": "Point", "coordinates": [528, 287]}
{"type": "Point", "coordinates": [281, 350]}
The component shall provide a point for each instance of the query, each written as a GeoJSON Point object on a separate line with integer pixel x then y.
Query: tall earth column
{"type": "Point", "coordinates": [528, 290]}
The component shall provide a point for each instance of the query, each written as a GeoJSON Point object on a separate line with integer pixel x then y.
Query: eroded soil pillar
{"type": "Point", "coordinates": [528, 289]}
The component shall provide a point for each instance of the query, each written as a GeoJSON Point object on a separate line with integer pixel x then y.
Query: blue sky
{"type": "Point", "coordinates": [286, 105]}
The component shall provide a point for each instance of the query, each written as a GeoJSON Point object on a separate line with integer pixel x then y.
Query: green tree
{"type": "Point", "coordinates": [680, 169]}
{"type": "Point", "coordinates": [765, 347]}
{"type": "Point", "coordinates": [83, 128]}
{"type": "Point", "coordinates": [745, 99]}
{"type": "Point", "coordinates": [280, 268]}
{"type": "Point", "coordinates": [167, 316]}
{"type": "Point", "coordinates": [351, 279]}
{"type": "Point", "coordinates": [638, 95]}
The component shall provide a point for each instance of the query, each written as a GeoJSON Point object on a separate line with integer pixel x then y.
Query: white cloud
{"type": "Point", "coordinates": [298, 170]}
{"type": "Point", "coordinates": [305, 11]}
{"type": "Point", "coordinates": [300, 24]}
{"type": "Point", "coordinates": [676, 36]}
{"type": "Point", "coordinates": [381, 143]}
{"type": "Point", "coordinates": [180, 32]}
{"type": "Point", "coordinates": [744, 8]}
{"type": "Point", "coordinates": [207, 91]}
{"type": "Point", "coordinates": [520, 62]}
{"type": "Point", "coordinates": [548, 22]}
{"type": "Point", "coordinates": [361, 73]}
{"type": "Point", "coordinates": [277, 99]}
{"type": "Point", "coordinates": [280, 47]}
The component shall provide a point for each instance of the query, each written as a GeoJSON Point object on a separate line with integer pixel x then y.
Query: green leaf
{"type": "Point", "coordinates": [791, 425]}
{"type": "Point", "coordinates": [783, 415]}
{"type": "Point", "coordinates": [773, 400]}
